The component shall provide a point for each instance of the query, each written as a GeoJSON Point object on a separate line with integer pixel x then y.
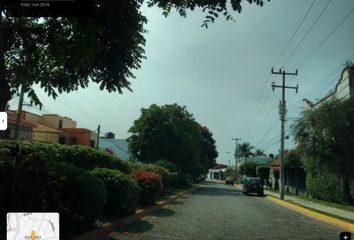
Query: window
{"type": "Point", "coordinates": [60, 123]}
{"type": "Point", "coordinates": [62, 140]}
{"type": "Point", "coordinates": [92, 143]}
{"type": "Point", "coordinates": [73, 140]}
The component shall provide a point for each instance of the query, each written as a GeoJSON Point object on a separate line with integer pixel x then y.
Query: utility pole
{"type": "Point", "coordinates": [98, 136]}
{"type": "Point", "coordinates": [236, 139]}
{"type": "Point", "coordinates": [19, 112]}
{"type": "Point", "coordinates": [282, 112]}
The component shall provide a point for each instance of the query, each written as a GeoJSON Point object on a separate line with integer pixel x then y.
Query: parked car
{"type": "Point", "coordinates": [229, 180]}
{"type": "Point", "coordinates": [253, 185]}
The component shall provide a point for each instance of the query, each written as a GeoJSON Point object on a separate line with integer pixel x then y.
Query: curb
{"type": "Point", "coordinates": [336, 222]}
{"type": "Point", "coordinates": [109, 227]}
{"type": "Point", "coordinates": [333, 221]}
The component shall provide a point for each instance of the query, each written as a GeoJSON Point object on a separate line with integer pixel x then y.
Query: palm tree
{"type": "Point", "coordinates": [244, 149]}
{"type": "Point", "coordinates": [259, 152]}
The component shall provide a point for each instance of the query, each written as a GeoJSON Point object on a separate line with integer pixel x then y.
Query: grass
{"type": "Point", "coordinates": [328, 204]}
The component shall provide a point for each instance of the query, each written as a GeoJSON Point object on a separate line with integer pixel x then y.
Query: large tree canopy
{"type": "Point", "coordinates": [63, 54]}
{"type": "Point", "coordinates": [170, 132]}
{"type": "Point", "coordinates": [325, 137]}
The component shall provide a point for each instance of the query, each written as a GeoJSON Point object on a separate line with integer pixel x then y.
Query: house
{"type": "Point", "coordinates": [344, 89]}
{"type": "Point", "coordinates": [218, 172]}
{"type": "Point", "coordinates": [25, 130]}
{"type": "Point", "coordinates": [118, 146]}
{"type": "Point", "coordinates": [50, 128]}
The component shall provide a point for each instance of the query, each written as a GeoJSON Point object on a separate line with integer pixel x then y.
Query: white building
{"type": "Point", "coordinates": [343, 89]}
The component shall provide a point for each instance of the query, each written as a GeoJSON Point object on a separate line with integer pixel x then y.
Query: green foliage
{"type": "Point", "coordinates": [83, 157]}
{"type": "Point", "coordinates": [150, 185]}
{"type": "Point", "coordinates": [83, 197]}
{"type": "Point", "coordinates": [173, 179]}
{"type": "Point", "coordinates": [166, 164]}
{"type": "Point", "coordinates": [276, 173]}
{"type": "Point", "coordinates": [259, 152]}
{"type": "Point", "coordinates": [263, 172]}
{"type": "Point", "coordinates": [352, 189]}
{"type": "Point", "coordinates": [244, 149]}
{"type": "Point", "coordinates": [122, 191]}
{"type": "Point", "coordinates": [325, 137]}
{"type": "Point", "coordinates": [170, 132]}
{"type": "Point", "coordinates": [328, 186]}
{"type": "Point", "coordinates": [249, 169]}
{"type": "Point", "coordinates": [27, 182]}
{"type": "Point", "coordinates": [292, 159]}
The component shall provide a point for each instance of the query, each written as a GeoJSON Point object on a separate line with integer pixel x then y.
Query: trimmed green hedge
{"type": "Point", "coordinates": [328, 186]}
{"type": "Point", "coordinates": [87, 158]}
{"type": "Point", "coordinates": [263, 173]}
{"type": "Point", "coordinates": [122, 191]}
{"type": "Point", "coordinates": [83, 195]}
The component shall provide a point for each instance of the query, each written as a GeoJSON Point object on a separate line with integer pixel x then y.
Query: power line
{"type": "Point", "coordinates": [294, 33]}
{"type": "Point", "coordinates": [327, 37]}
{"type": "Point", "coordinates": [307, 32]}
{"type": "Point", "coordinates": [255, 105]}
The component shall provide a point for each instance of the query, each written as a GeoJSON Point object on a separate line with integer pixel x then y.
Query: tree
{"type": "Point", "coordinates": [259, 152]}
{"type": "Point", "coordinates": [63, 54]}
{"type": "Point", "coordinates": [208, 148]}
{"type": "Point", "coordinates": [244, 149]}
{"type": "Point", "coordinates": [171, 133]}
{"type": "Point", "coordinates": [292, 159]}
{"type": "Point", "coordinates": [325, 137]}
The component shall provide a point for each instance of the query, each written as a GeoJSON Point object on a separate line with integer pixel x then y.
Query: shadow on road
{"type": "Point", "coordinates": [164, 212]}
{"type": "Point", "coordinates": [131, 230]}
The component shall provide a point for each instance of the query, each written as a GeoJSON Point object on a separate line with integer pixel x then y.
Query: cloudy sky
{"type": "Point", "coordinates": [223, 74]}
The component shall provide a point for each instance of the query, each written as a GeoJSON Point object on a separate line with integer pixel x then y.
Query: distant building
{"type": "Point", "coordinates": [118, 146]}
{"type": "Point", "coordinates": [110, 135]}
{"type": "Point", "coordinates": [26, 127]}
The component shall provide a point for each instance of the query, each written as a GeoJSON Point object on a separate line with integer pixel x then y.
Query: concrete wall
{"type": "Point", "coordinates": [42, 134]}
{"type": "Point", "coordinates": [53, 121]}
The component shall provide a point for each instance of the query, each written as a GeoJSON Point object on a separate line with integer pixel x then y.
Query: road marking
{"type": "Point", "coordinates": [318, 216]}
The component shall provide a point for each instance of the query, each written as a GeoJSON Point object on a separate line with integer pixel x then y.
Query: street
{"type": "Point", "coordinates": [219, 211]}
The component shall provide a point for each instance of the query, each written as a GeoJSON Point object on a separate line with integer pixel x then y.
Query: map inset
{"type": "Point", "coordinates": [32, 226]}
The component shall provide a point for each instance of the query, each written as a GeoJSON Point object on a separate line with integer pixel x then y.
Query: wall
{"type": "Point", "coordinates": [53, 121]}
{"type": "Point", "coordinates": [42, 134]}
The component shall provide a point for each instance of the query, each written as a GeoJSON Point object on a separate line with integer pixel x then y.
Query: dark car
{"type": "Point", "coordinates": [229, 180]}
{"type": "Point", "coordinates": [252, 185]}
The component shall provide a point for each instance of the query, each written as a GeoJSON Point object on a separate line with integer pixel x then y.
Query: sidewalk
{"type": "Point", "coordinates": [317, 206]}
{"type": "Point", "coordinates": [320, 207]}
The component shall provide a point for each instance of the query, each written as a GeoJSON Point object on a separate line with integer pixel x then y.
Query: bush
{"type": "Point", "coordinates": [249, 169]}
{"type": "Point", "coordinates": [27, 183]}
{"type": "Point", "coordinates": [173, 180]}
{"type": "Point", "coordinates": [150, 185]}
{"type": "Point", "coordinates": [328, 186]}
{"type": "Point", "coordinates": [83, 197]}
{"type": "Point", "coordinates": [352, 189]}
{"type": "Point", "coordinates": [276, 173]}
{"type": "Point", "coordinates": [166, 164]}
{"type": "Point", "coordinates": [263, 173]}
{"type": "Point", "coordinates": [162, 172]}
{"type": "Point", "coordinates": [87, 158]}
{"type": "Point", "coordinates": [122, 191]}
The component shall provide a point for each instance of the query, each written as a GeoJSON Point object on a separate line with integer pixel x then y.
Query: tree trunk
{"type": "Point", "coordinates": [296, 190]}
{"type": "Point", "coordinates": [5, 94]}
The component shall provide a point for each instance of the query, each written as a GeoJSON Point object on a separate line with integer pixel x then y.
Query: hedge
{"type": "Point", "coordinates": [87, 158]}
{"type": "Point", "coordinates": [122, 191]}
{"type": "Point", "coordinates": [328, 186]}
{"type": "Point", "coordinates": [83, 196]}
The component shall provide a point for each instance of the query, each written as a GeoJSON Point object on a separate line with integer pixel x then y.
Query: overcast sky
{"type": "Point", "coordinates": [223, 74]}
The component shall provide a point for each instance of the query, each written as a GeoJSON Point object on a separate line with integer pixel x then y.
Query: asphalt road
{"type": "Point", "coordinates": [216, 211]}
